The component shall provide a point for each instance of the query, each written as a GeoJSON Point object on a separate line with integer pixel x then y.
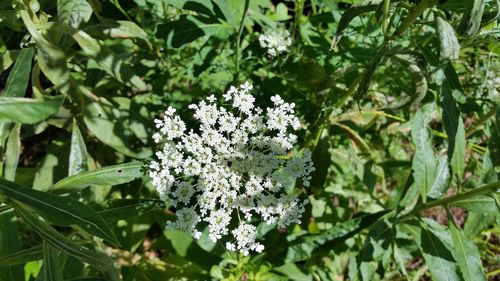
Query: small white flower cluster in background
{"type": "Point", "coordinates": [276, 41]}
{"type": "Point", "coordinates": [232, 169]}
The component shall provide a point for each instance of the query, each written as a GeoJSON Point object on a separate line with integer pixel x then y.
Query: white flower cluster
{"type": "Point", "coordinates": [233, 168]}
{"type": "Point", "coordinates": [276, 41]}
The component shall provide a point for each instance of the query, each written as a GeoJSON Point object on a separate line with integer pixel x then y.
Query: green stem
{"type": "Point", "coordinates": [480, 122]}
{"type": "Point", "coordinates": [238, 38]}
{"type": "Point", "coordinates": [413, 15]}
{"type": "Point", "coordinates": [485, 189]}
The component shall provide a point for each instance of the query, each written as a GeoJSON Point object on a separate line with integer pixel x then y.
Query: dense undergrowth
{"type": "Point", "coordinates": [398, 102]}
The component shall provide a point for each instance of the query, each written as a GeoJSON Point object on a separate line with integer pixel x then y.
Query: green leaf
{"type": "Point", "coordinates": [123, 209]}
{"type": "Point", "coordinates": [22, 257]}
{"type": "Point", "coordinates": [471, 19]}
{"type": "Point", "coordinates": [466, 254]}
{"type": "Point", "coordinates": [120, 29]}
{"type": "Point", "coordinates": [19, 75]}
{"type": "Point", "coordinates": [89, 45]}
{"type": "Point", "coordinates": [78, 152]}
{"type": "Point", "coordinates": [10, 241]}
{"type": "Point", "coordinates": [424, 160]}
{"type": "Point", "coordinates": [110, 175]}
{"type": "Point", "coordinates": [74, 13]}
{"type": "Point", "coordinates": [27, 110]}
{"type": "Point", "coordinates": [52, 264]}
{"type": "Point", "coordinates": [442, 179]}
{"type": "Point", "coordinates": [60, 210]}
{"type": "Point", "coordinates": [13, 150]}
{"type": "Point", "coordinates": [454, 127]}
{"type": "Point", "coordinates": [117, 67]}
{"type": "Point", "coordinates": [377, 248]}
{"type": "Point", "coordinates": [109, 122]}
{"type": "Point", "coordinates": [189, 28]}
{"type": "Point", "coordinates": [437, 257]}
{"type": "Point", "coordinates": [353, 12]}
{"type": "Point", "coordinates": [95, 259]}
{"type": "Point", "coordinates": [449, 47]}
{"type": "Point", "coordinates": [321, 158]}
{"type": "Point", "coordinates": [481, 204]}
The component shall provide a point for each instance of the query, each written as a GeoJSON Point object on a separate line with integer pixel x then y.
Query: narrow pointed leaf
{"type": "Point", "coordinates": [424, 159]}
{"type": "Point", "coordinates": [111, 175]}
{"type": "Point", "coordinates": [19, 76]}
{"type": "Point", "coordinates": [22, 257]}
{"type": "Point", "coordinates": [95, 259]}
{"type": "Point", "coordinates": [78, 152]}
{"type": "Point", "coordinates": [467, 255]}
{"type": "Point", "coordinates": [471, 19]}
{"type": "Point", "coordinates": [27, 110]}
{"type": "Point", "coordinates": [60, 210]}
{"type": "Point", "coordinates": [449, 47]}
{"type": "Point", "coordinates": [52, 266]}
{"type": "Point", "coordinates": [442, 179]}
{"type": "Point", "coordinates": [13, 150]}
{"type": "Point", "coordinates": [438, 258]}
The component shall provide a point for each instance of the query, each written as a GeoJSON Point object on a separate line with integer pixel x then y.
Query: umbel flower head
{"type": "Point", "coordinates": [276, 41]}
{"type": "Point", "coordinates": [231, 172]}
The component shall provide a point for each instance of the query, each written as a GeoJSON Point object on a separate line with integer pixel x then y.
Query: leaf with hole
{"type": "Point", "coordinates": [110, 175]}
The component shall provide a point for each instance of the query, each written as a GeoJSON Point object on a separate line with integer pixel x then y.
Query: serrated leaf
{"type": "Point", "coordinates": [471, 19]}
{"type": "Point", "coordinates": [19, 75]}
{"type": "Point", "coordinates": [97, 260]}
{"type": "Point", "coordinates": [449, 47]}
{"type": "Point", "coordinates": [78, 152]}
{"type": "Point", "coordinates": [424, 159]}
{"type": "Point", "coordinates": [73, 12]}
{"type": "Point", "coordinates": [466, 255]}
{"type": "Point", "coordinates": [481, 204]}
{"type": "Point", "coordinates": [110, 175]}
{"type": "Point", "coordinates": [437, 257]}
{"type": "Point", "coordinates": [22, 257]}
{"type": "Point", "coordinates": [442, 179]}
{"type": "Point", "coordinates": [60, 210]}
{"type": "Point", "coordinates": [27, 110]}
{"type": "Point", "coordinates": [52, 269]}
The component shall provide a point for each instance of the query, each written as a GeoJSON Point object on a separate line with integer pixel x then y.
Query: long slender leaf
{"type": "Point", "coordinates": [111, 175]}
{"type": "Point", "coordinates": [13, 150]}
{"type": "Point", "coordinates": [10, 243]}
{"type": "Point", "coordinates": [19, 75]}
{"type": "Point", "coordinates": [22, 257]}
{"type": "Point", "coordinates": [471, 19]}
{"type": "Point", "coordinates": [78, 152]}
{"type": "Point", "coordinates": [449, 47]}
{"type": "Point", "coordinates": [59, 210]}
{"type": "Point", "coordinates": [424, 159]}
{"type": "Point", "coordinates": [466, 254]}
{"type": "Point", "coordinates": [95, 259]}
{"type": "Point", "coordinates": [437, 257]}
{"type": "Point", "coordinates": [27, 110]}
{"type": "Point", "coordinates": [442, 179]}
{"type": "Point", "coordinates": [52, 266]}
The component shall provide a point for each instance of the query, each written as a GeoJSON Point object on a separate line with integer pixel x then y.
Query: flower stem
{"type": "Point", "coordinates": [238, 38]}
{"type": "Point", "coordinates": [485, 189]}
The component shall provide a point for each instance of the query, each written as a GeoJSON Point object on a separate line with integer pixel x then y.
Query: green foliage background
{"type": "Point", "coordinates": [401, 101]}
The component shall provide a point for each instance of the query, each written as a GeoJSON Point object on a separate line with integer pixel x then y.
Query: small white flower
{"type": "Point", "coordinates": [276, 41]}
{"type": "Point", "coordinates": [231, 167]}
